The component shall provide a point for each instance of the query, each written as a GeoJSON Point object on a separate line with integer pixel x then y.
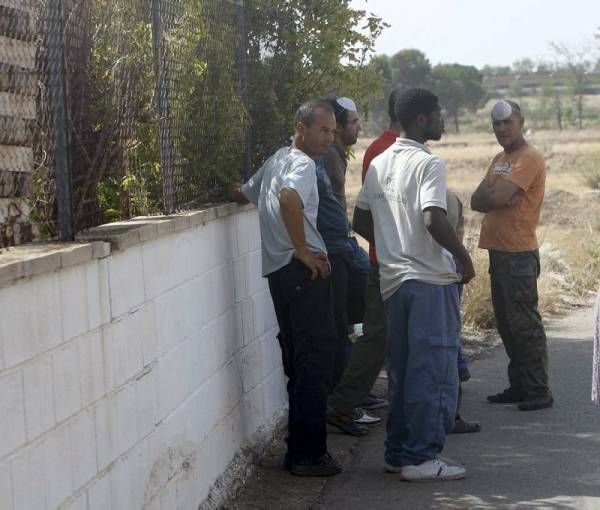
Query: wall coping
{"type": "Point", "coordinates": [27, 260]}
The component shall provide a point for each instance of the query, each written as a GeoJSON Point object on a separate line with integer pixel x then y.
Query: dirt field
{"type": "Point", "coordinates": [570, 224]}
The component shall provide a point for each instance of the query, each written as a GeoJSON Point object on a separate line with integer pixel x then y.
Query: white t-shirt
{"type": "Point", "coordinates": [287, 168]}
{"type": "Point", "coordinates": [402, 182]}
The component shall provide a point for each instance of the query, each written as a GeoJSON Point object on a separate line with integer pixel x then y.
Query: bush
{"type": "Point", "coordinates": [588, 168]}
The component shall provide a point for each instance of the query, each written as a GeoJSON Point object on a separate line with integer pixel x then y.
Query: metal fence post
{"type": "Point", "coordinates": [56, 84]}
{"type": "Point", "coordinates": [242, 62]}
{"type": "Point", "coordinates": [162, 105]}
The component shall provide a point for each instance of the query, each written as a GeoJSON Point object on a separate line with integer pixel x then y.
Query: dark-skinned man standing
{"type": "Point", "coordinates": [511, 196]}
{"type": "Point", "coordinates": [402, 209]}
{"type": "Point", "coordinates": [294, 259]}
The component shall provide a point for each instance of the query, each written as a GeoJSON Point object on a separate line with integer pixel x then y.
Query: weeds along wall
{"type": "Point", "coordinates": [132, 376]}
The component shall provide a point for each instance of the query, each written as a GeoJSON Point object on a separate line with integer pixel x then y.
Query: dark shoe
{"type": "Point", "coordinates": [463, 374]}
{"type": "Point", "coordinates": [346, 424]}
{"type": "Point", "coordinates": [462, 426]}
{"type": "Point", "coordinates": [533, 404]}
{"type": "Point", "coordinates": [325, 465]}
{"type": "Point", "coordinates": [508, 396]}
{"type": "Point", "coordinates": [372, 402]}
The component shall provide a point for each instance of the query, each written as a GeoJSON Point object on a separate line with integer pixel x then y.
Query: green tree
{"type": "Point", "coordinates": [459, 88]}
{"type": "Point", "coordinates": [410, 68]}
{"type": "Point", "coordinates": [575, 65]}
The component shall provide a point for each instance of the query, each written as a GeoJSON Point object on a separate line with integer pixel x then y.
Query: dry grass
{"type": "Point", "coordinates": [570, 256]}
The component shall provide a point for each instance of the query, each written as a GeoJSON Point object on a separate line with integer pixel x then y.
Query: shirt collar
{"type": "Point", "coordinates": [407, 142]}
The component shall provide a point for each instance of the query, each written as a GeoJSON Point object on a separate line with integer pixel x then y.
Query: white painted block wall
{"type": "Point", "coordinates": [131, 381]}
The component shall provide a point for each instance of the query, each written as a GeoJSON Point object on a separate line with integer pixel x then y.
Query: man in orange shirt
{"type": "Point", "coordinates": [511, 196]}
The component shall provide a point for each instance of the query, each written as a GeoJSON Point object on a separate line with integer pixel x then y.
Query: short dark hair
{"type": "Point", "coordinates": [413, 102]}
{"type": "Point", "coordinates": [515, 107]}
{"type": "Point", "coordinates": [306, 111]}
{"type": "Point", "coordinates": [341, 114]}
{"type": "Point", "coordinates": [393, 99]}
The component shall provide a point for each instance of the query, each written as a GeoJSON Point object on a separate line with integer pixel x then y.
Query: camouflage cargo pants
{"type": "Point", "coordinates": [515, 298]}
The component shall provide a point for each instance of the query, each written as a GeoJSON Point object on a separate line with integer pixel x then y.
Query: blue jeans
{"type": "Point", "coordinates": [423, 335]}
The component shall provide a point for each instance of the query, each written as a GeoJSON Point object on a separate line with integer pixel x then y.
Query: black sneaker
{"type": "Point", "coordinates": [508, 396]}
{"type": "Point", "coordinates": [346, 424]}
{"type": "Point", "coordinates": [535, 403]}
{"type": "Point", "coordinates": [463, 374]}
{"type": "Point", "coordinates": [462, 426]}
{"type": "Point", "coordinates": [325, 465]}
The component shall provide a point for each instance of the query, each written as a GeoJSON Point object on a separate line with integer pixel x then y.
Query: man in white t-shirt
{"type": "Point", "coordinates": [402, 209]}
{"type": "Point", "coordinates": [294, 260]}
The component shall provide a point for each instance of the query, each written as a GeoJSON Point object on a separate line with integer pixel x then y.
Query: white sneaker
{"type": "Point", "coordinates": [362, 418]}
{"type": "Point", "coordinates": [433, 470]}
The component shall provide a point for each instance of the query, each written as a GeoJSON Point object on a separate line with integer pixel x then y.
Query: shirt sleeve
{"type": "Point", "coordinates": [525, 171]}
{"type": "Point", "coordinates": [301, 178]}
{"type": "Point", "coordinates": [432, 192]}
{"type": "Point", "coordinates": [251, 189]}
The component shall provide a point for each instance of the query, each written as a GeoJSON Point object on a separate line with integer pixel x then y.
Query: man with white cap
{"type": "Point", "coordinates": [511, 196]}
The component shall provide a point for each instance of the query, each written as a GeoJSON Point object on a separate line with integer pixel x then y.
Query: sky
{"type": "Point", "coordinates": [480, 32]}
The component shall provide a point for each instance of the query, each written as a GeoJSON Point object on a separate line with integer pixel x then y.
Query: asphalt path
{"type": "Point", "coordinates": [547, 459]}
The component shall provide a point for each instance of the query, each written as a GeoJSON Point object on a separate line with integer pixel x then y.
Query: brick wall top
{"type": "Point", "coordinates": [30, 260]}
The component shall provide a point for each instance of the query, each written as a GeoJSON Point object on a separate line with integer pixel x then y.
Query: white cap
{"type": "Point", "coordinates": [347, 104]}
{"type": "Point", "coordinates": [502, 110]}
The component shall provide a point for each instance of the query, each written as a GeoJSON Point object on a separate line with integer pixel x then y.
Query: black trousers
{"type": "Point", "coordinates": [307, 338]}
{"type": "Point", "coordinates": [349, 287]}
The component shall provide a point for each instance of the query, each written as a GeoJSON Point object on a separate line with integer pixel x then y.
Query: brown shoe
{"type": "Point", "coordinates": [345, 423]}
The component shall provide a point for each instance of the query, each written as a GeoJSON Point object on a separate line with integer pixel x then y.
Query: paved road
{"type": "Point", "coordinates": [547, 459]}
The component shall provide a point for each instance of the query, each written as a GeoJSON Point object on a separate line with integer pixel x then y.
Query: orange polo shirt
{"type": "Point", "coordinates": [512, 229]}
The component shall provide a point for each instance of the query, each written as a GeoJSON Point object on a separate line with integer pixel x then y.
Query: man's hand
{"type": "Point", "coordinates": [468, 271]}
{"type": "Point", "coordinates": [235, 193]}
{"type": "Point", "coordinates": [318, 263]}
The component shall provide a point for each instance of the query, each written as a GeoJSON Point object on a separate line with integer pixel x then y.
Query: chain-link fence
{"type": "Point", "coordinates": [116, 108]}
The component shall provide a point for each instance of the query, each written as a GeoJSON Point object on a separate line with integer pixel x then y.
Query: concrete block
{"type": "Point", "coordinates": [48, 318]}
{"type": "Point", "coordinates": [125, 347]}
{"type": "Point", "coordinates": [98, 494]}
{"type": "Point", "coordinates": [252, 410]}
{"type": "Point", "coordinates": [125, 240]}
{"type": "Point", "coordinates": [231, 226]}
{"type": "Point", "coordinates": [42, 264]}
{"type": "Point", "coordinates": [58, 469]}
{"type": "Point", "coordinates": [12, 417]}
{"type": "Point", "coordinates": [100, 249]}
{"type": "Point", "coordinates": [248, 321]}
{"type": "Point", "coordinates": [79, 503]}
{"type": "Point", "coordinates": [74, 255]}
{"type": "Point", "coordinates": [91, 363]}
{"type": "Point", "coordinates": [160, 261]}
{"type": "Point", "coordinates": [28, 478]}
{"type": "Point", "coordinates": [107, 428]}
{"type": "Point", "coordinates": [171, 387]}
{"type": "Point", "coordinates": [264, 313]}
{"type": "Point", "coordinates": [219, 283]}
{"type": "Point", "coordinates": [180, 313]}
{"type": "Point", "coordinates": [6, 489]}
{"type": "Point", "coordinates": [67, 388]}
{"type": "Point", "coordinates": [255, 281]}
{"type": "Point", "coordinates": [145, 402]}
{"type": "Point", "coordinates": [240, 270]}
{"type": "Point", "coordinates": [148, 232]}
{"type": "Point", "coordinates": [126, 419]}
{"type": "Point", "coordinates": [249, 365]}
{"type": "Point", "coordinates": [98, 294]}
{"type": "Point", "coordinates": [127, 479]}
{"type": "Point", "coordinates": [20, 332]}
{"type": "Point", "coordinates": [274, 389]}
{"type": "Point", "coordinates": [149, 333]}
{"type": "Point", "coordinates": [109, 360]}
{"type": "Point", "coordinates": [11, 272]}
{"type": "Point", "coordinates": [126, 277]}
{"type": "Point", "coordinates": [74, 302]}
{"type": "Point", "coordinates": [39, 396]}
{"type": "Point", "coordinates": [82, 431]}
